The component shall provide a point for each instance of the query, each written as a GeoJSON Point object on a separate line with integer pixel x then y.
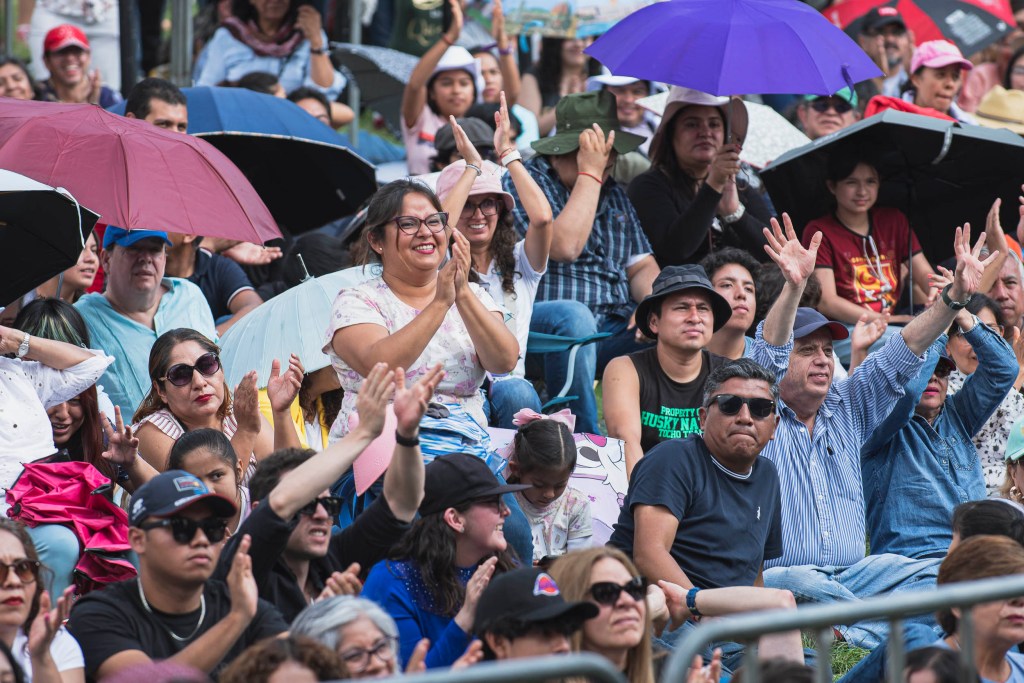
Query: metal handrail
{"type": "Point", "coordinates": [590, 666]}
{"type": "Point", "coordinates": [749, 627]}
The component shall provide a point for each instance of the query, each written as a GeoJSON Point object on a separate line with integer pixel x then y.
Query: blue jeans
{"type": "Point", "coordinates": [871, 669]}
{"type": "Point", "coordinates": [506, 397]}
{"type": "Point", "coordinates": [841, 347]}
{"type": "Point", "coordinates": [872, 576]}
{"type": "Point", "coordinates": [59, 551]}
{"type": "Point", "coordinates": [732, 653]}
{"type": "Point", "coordinates": [573, 319]}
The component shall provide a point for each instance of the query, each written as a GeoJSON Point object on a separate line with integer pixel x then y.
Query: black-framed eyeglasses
{"type": "Point", "coordinates": [332, 505]}
{"type": "Point", "coordinates": [410, 225]}
{"type": "Point", "coordinates": [357, 659]}
{"type": "Point", "coordinates": [823, 104]}
{"type": "Point", "coordinates": [180, 374]}
{"type": "Point", "coordinates": [607, 593]}
{"type": "Point", "coordinates": [488, 207]}
{"type": "Point", "coordinates": [760, 408]}
{"type": "Point", "coordinates": [25, 569]}
{"type": "Point", "coordinates": [494, 502]}
{"type": "Point", "coordinates": [184, 529]}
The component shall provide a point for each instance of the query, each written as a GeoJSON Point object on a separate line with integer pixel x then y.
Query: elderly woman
{"type": "Point", "coordinates": [414, 315]}
{"type": "Point", "coordinates": [276, 36]}
{"type": "Point", "coordinates": [689, 202]}
{"type": "Point", "coordinates": [357, 629]}
{"type": "Point", "coordinates": [936, 75]}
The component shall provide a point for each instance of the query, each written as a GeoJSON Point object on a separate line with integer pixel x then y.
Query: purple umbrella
{"type": "Point", "coordinates": [735, 47]}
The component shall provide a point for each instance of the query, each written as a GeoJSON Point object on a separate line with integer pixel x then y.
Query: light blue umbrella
{"type": "Point", "coordinates": [294, 321]}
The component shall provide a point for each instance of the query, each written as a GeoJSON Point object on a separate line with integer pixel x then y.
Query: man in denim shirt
{"type": "Point", "coordinates": [921, 463]}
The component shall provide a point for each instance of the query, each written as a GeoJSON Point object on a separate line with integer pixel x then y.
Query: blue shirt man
{"type": "Point", "coordinates": [138, 306]}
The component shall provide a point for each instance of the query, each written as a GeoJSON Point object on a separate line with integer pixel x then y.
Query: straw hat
{"type": "Point", "coordinates": [1002, 108]}
{"type": "Point", "coordinates": [734, 111]}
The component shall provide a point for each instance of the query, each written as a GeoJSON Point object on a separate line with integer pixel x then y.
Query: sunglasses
{"type": "Point", "coordinates": [942, 370]}
{"type": "Point", "coordinates": [26, 570]}
{"type": "Point", "coordinates": [332, 504]}
{"type": "Point", "coordinates": [823, 104]}
{"type": "Point", "coordinates": [607, 593]}
{"type": "Point", "coordinates": [184, 529]}
{"type": "Point", "coordinates": [760, 408]}
{"type": "Point", "coordinates": [180, 374]}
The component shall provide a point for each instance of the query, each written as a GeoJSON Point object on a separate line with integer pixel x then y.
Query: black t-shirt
{"type": "Point", "coordinates": [366, 541]}
{"type": "Point", "coordinates": [728, 526]}
{"type": "Point", "coordinates": [221, 279]}
{"type": "Point", "coordinates": [668, 409]}
{"type": "Point", "coordinates": [114, 620]}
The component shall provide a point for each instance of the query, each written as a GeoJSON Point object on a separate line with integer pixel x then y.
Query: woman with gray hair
{"type": "Point", "coordinates": [357, 629]}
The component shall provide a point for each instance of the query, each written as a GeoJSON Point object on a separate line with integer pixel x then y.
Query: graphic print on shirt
{"type": "Point", "coordinates": [874, 282]}
{"type": "Point", "coordinates": [672, 423]}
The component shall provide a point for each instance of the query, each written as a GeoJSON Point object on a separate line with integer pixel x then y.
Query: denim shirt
{"type": "Point", "coordinates": [915, 473]}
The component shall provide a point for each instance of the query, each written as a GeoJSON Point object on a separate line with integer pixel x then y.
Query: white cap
{"type": "Point", "coordinates": [457, 58]}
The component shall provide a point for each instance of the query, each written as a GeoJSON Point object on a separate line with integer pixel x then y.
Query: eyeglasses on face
{"type": "Point", "coordinates": [25, 569]}
{"type": "Point", "coordinates": [607, 593]}
{"type": "Point", "coordinates": [410, 225]}
{"type": "Point", "coordinates": [184, 529]}
{"type": "Point", "coordinates": [332, 505]}
{"type": "Point", "coordinates": [942, 370]}
{"type": "Point", "coordinates": [180, 374]}
{"type": "Point", "coordinates": [823, 104]}
{"type": "Point", "coordinates": [488, 207]}
{"type": "Point", "coordinates": [357, 659]}
{"type": "Point", "coordinates": [728, 404]}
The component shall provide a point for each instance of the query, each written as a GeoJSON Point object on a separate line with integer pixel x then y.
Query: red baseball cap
{"type": "Point", "coordinates": [63, 37]}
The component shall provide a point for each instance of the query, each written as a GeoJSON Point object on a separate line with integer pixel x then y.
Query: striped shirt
{"type": "Point", "coordinates": [819, 473]}
{"type": "Point", "coordinates": [597, 277]}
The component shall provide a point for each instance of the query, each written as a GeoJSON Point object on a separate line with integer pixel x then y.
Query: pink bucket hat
{"type": "Point", "coordinates": [937, 54]}
{"type": "Point", "coordinates": [487, 183]}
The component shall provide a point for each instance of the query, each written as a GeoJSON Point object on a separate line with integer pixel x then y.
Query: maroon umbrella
{"type": "Point", "coordinates": [133, 174]}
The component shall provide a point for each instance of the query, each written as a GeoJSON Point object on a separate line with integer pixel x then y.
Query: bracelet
{"type": "Point", "coordinates": [591, 175]}
{"type": "Point", "coordinates": [407, 441]}
{"type": "Point", "coordinates": [507, 159]}
{"type": "Point", "coordinates": [506, 51]}
{"type": "Point", "coordinates": [735, 215]}
{"type": "Point", "coordinates": [479, 171]}
{"type": "Point", "coordinates": [691, 602]}
{"type": "Point", "coordinates": [318, 50]}
{"type": "Point", "coordinates": [448, 40]}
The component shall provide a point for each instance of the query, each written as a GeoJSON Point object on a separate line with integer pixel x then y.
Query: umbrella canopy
{"type": "Point", "coordinates": [938, 173]}
{"type": "Point", "coordinates": [43, 228]}
{"type": "Point", "coordinates": [769, 134]}
{"type": "Point", "coordinates": [732, 47]}
{"type": "Point", "coordinates": [381, 74]}
{"type": "Point", "coordinates": [972, 25]}
{"type": "Point", "coordinates": [298, 165]}
{"type": "Point", "coordinates": [133, 174]}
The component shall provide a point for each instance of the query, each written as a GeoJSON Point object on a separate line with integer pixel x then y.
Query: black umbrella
{"type": "Point", "coordinates": [939, 173]}
{"type": "Point", "coordinates": [42, 231]}
{"type": "Point", "coordinates": [381, 74]}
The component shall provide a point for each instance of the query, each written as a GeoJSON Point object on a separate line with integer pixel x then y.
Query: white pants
{"type": "Point", "coordinates": [104, 39]}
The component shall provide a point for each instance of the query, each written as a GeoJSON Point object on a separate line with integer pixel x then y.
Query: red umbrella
{"type": "Point", "coordinates": [972, 25]}
{"type": "Point", "coordinates": [133, 174]}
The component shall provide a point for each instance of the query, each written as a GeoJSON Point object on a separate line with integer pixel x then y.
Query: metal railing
{"type": "Point", "coordinates": [748, 628]}
{"type": "Point", "coordinates": [591, 667]}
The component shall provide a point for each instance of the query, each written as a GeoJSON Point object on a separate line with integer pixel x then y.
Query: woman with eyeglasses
{"type": "Point", "coordinates": [42, 648]}
{"type": "Point", "coordinates": [189, 392]}
{"type": "Point", "coordinates": [509, 268]}
{"type": "Point", "coordinates": [420, 309]}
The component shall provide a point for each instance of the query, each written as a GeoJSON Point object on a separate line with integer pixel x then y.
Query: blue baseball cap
{"type": "Point", "coordinates": [845, 94]}
{"type": "Point", "coordinates": [808, 321]}
{"type": "Point", "coordinates": [126, 238]}
{"type": "Point", "coordinates": [171, 492]}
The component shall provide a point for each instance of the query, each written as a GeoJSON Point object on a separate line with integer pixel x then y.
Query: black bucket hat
{"type": "Point", "coordinates": [677, 279]}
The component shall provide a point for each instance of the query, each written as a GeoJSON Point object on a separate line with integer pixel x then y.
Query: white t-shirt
{"type": "Point", "coordinates": [64, 649]}
{"type": "Point", "coordinates": [518, 305]}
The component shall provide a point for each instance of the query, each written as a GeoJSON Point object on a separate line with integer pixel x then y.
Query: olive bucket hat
{"type": "Point", "coordinates": [578, 112]}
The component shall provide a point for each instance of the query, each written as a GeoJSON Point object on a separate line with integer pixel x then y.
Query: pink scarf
{"type": "Point", "coordinates": [284, 44]}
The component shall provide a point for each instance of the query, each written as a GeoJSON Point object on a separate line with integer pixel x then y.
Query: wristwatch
{"type": "Point", "coordinates": [954, 305]}
{"type": "Point", "coordinates": [23, 347]}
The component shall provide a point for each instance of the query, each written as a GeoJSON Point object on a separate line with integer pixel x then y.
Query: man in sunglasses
{"type": "Point", "coordinates": [821, 115]}
{"type": "Point", "coordinates": [823, 426]}
{"type": "Point", "coordinates": [655, 394]}
{"type": "Point", "coordinates": [173, 610]}
{"type": "Point", "coordinates": [294, 554]}
{"type": "Point", "coordinates": [522, 613]}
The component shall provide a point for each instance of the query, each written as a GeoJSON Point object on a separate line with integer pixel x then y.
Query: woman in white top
{"type": "Point", "coordinates": [509, 268]}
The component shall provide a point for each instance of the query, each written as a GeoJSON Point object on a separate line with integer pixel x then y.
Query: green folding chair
{"type": "Point", "coordinates": [539, 342]}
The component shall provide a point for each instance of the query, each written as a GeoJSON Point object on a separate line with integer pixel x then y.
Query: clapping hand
{"type": "Point", "coordinates": [795, 262]}
{"type": "Point", "coordinates": [282, 389]}
{"type": "Point", "coordinates": [47, 622]}
{"type": "Point", "coordinates": [122, 445]}
{"type": "Point", "coordinates": [246, 404]}
{"type": "Point", "coordinates": [242, 587]}
{"type": "Point", "coordinates": [342, 583]}
{"type": "Point", "coordinates": [869, 329]}
{"type": "Point", "coordinates": [711, 673]}
{"type": "Point", "coordinates": [411, 402]}
{"type": "Point", "coordinates": [462, 143]}
{"type": "Point", "coordinates": [504, 140]}
{"type": "Point", "coordinates": [373, 398]}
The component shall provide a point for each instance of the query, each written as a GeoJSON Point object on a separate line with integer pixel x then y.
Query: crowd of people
{"type": "Point", "coordinates": [807, 413]}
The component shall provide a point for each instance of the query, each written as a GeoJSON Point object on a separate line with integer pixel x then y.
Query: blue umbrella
{"type": "Point", "coordinates": [735, 47]}
{"type": "Point", "coordinates": [298, 165]}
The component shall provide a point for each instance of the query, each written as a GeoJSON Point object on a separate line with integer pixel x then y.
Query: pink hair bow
{"type": "Point", "coordinates": [526, 416]}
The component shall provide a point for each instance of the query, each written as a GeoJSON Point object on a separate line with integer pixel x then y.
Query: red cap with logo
{"type": "Point", "coordinates": [63, 37]}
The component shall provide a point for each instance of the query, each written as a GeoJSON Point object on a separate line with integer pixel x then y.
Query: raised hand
{"type": "Point", "coordinates": [342, 583]}
{"type": "Point", "coordinates": [122, 445]}
{"type": "Point", "coordinates": [309, 22]}
{"type": "Point", "coordinates": [373, 398]}
{"type": "Point", "coordinates": [470, 153]}
{"type": "Point", "coordinates": [937, 282]}
{"type": "Point", "coordinates": [249, 254]}
{"type": "Point", "coordinates": [595, 149]}
{"type": "Point", "coordinates": [795, 262]}
{"type": "Point", "coordinates": [246, 404]}
{"type": "Point", "coordinates": [417, 663]}
{"type": "Point", "coordinates": [411, 402]}
{"type": "Point", "coordinates": [869, 329]}
{"type": "Point", "coordinates": [463, 264]}
{"type": "Point", "coordinates": [282, 389]}
{"type": "Point", "coordinates": [242, 587]}
{"type": "Point", "coordinates": [711, 673]}
{"type": "Point", "coordinates": [504, 139]}
{"type": "Point", "coordinates": [47, 623]}
{"type": "Point", "coordinates": [498, 26]}
{"type": "Point", "coordinates": [455, 28]}
{"type": "Point", "coordinates": [473, 654]}
{"type": "Point", "coordinates": [969, 265]}
{"type": "Point", "coordinates": [474, 589]}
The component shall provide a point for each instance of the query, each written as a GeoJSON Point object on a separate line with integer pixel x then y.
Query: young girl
{"type": "Point", "coordinates": [544, 456]}
{"type": "Point", "coordinates": [208, 454]}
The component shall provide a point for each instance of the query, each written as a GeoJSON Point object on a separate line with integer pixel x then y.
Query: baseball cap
{"type": "Point", "coordinates": [880, 17]}
{"type": "Point", "coordinates": [455, 58]}
{"type": "Point", "coordinates": [937, 54]}
{"type": "Point", "coordinates": [946, 360]}
{"type": "Point", "coordinates": [478, 132]}
{"type": "Point", "coordinates": [528, 595]}
{"type": "Point", "coordinates": [126, 238]}
{"type": "Point", "coordinates": [808, 321]}
{"type": "Point", "coordinates": [488, 182]}
{"type": "Point", "coordinates": [845, 94]}
{"type": "Point", "coordinates": [172, 492]}
{"type": "Point", "coordinates": [458, 478]}
{"type": "Point", "coordinates": [677, 279]}
{"type": "Point", "coordinates": [63, 37]}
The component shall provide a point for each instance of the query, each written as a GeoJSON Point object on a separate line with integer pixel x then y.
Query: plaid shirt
{"type": "Point", "coordinates": [597, 278]}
